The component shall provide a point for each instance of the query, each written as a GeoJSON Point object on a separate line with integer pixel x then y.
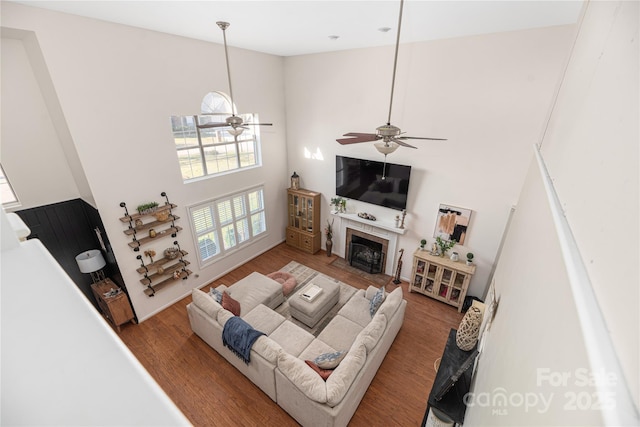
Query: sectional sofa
{"type": "Point", "coordinates": [278, 358]}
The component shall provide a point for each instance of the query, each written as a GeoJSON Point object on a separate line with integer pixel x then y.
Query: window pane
{"type": "Point", "coordinates": [243, 230]}
{"type": "Point", "coordinates": [190, 163]}
{"type": "Point", "coordinates": [247, 153]}
{"type": "Point", "coordinates": [203, 219]}
{"type": "Point", "coordinates": [255, 201]}
{"type": "Point", "coordinates": [228, 236]}
{"type": "Point", "coordinates": [7, 195]}
{"type": "Point", "coordinates": [239, 207]}
{"type": "Point", "coordinates": [221, 158]}
{"type": "Point", "coordinates": [258, 223]}
{"type": "Point", "coordinates": [216, 102]}
{"type": "Point", "coordinates": [208, 246]}
{"type": "Point", "coordinates": [184, 131]}
{"type": "Point", "coordinates": [224, 211]}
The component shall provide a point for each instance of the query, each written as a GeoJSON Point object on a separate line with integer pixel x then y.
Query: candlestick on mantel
{"type": "Point", "coordinates": [404, 213]}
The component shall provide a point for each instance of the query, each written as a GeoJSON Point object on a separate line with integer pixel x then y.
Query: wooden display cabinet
{"type": "Point", "coordinates": [117, 308]}
{"type": "Point", "coordinates": [440, 278]}
{"type": "Point", "coordinates": [303, 220]}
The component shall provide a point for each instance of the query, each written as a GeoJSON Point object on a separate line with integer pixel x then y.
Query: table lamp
{"type": "Point", "coordinates": [92, 262]}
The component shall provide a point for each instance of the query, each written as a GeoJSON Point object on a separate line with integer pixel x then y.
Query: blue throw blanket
{"type": "Point", "coordinates": [239, 337]}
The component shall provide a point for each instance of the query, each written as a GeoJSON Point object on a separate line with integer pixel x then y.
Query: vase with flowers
{"type": "Point", "coordinates": [328, 232]}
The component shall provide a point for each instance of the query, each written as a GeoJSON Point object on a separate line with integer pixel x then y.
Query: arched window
{"type": "Point", "coordinates": [204, 152]}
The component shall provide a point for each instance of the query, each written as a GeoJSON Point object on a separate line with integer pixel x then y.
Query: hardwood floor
{"type": "Point", "coordinates": [210, 391]}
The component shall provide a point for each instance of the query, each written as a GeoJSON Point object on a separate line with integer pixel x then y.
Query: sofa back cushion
{"type": "Point", "coordinates": [391, 303]}
{"type": "Point", "coordinates": [343, 376]}
{"type": "Point", "coordinates": [303, 377]}
{"type": "Point", "coordinates": [371, 334]}
{"type": "Point", "coordinates": [205, 302]}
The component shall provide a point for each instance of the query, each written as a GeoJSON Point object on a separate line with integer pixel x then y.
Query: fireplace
{"type": "Point", "coordinates": [366, 251]}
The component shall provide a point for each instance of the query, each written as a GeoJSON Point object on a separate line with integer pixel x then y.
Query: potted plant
{"type": "Point", "coordinates": [422, 243]}
{"type": "Point", "coordinates": [147, 208]}
{"type": "Point", "coordinates": [338, 203]}
{"type": "Point", "coordinates": [469, 258]}
{"type": "Point", "coordinates": [445, 245]}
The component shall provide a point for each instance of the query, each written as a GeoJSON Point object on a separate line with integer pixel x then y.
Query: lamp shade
{"type": "Point", "coordinates": [90, 261]}
{"type": "Point", "coordinates": [386, 148]}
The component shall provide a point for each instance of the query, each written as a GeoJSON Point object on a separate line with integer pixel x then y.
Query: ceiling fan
{"type": "Point", "coordinates": [389, 134]}
{"type": "Point", "coordinates": [235, 122]}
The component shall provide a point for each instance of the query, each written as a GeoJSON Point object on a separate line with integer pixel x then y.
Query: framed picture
{"type": "Point", "coordinates": [452, 223]}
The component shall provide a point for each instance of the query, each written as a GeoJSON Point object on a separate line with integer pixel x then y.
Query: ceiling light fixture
{"type": "Point", "coordinates": [334, 37]}
{"type": "Point", "coordinates": [384, 29]}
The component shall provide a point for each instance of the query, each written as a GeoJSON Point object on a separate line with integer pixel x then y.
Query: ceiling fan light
{"type": "Point", "coordinates": [235, 131]}
{"type": "Point", "coordinates": [386, 148]}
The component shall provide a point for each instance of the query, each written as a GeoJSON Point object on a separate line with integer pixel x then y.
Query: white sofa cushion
{"type": "Point", "coordinates": [263, 319]}
{"type": "Point", "coordinates": [371, 334]}
{"type": "Point", "coordinates": [205, 302]}
{"type": "Point", "coordinates": [391, 303]}
{"type": "Point", "coordinates": [223, 316]}
{"type": "Point", "coordinates": [315, 349]}
{"type": "Point", "coordinates": [357, 309]}
{"type": "Point", "coordinates": [342, 377]}
{"type": "Point", "coordinates": [303, 377]}
{"type": "Point", "coordinates": [291, 337]}
{"type": "Point", "coordinates": [341, 332]}
{"type": "Point", "coordinates": [267, 348]}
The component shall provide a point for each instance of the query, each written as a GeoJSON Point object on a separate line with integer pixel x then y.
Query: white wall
{"type": "Point", "coordinates": [117, 86]}
{"type": "Point", "coordinates": [487, 94]}
{"type": "Point", "coordinates": [30, 142]}
{"type": "Point", "coordinates": [591, 152]}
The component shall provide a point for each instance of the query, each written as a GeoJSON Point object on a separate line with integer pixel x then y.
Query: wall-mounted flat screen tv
{"type": "Point", "coordinates": [362, 180]}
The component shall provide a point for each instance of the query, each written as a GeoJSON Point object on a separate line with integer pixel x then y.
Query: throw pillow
{"type": "Point", "coordinates": [330, 360]}
{"type": "Point", "coordinates": [324, 373]}
{"type": "Point", "coordinates": [230, 304]}
{"type": "Point", "coordinates": [216, 294]}
{"type": "Point", "coordinates": [376, 301]}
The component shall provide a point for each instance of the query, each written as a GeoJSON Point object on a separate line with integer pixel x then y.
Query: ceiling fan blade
{"type": "Point", "coordinates": [421, 137]}
{"type": "Point", "coordinates": [361, 135]}
{"type": "Point", "coordinates": [257, 124]}
{"type": "Point", "coordinates": [212, 125]}
{"type": "Point", "coordinates": [402, 143]}
{"type": "Point", "coordinates": [368, 138]}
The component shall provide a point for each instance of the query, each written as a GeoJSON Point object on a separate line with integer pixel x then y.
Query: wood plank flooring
{"type": "Point", "coordinates": [210, 391]}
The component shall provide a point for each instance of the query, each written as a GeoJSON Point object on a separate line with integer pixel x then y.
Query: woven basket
{"type": "Point", "coordinates": [467, 335]}
{"type": "Point", "coordinates": [162, 215]}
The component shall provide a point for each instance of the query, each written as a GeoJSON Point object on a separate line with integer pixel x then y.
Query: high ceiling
{"type": "Point", "coordinates": [299, 27]}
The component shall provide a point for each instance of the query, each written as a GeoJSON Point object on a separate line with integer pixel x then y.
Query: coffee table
{"type": "Point", "coordinates": [310, 312]}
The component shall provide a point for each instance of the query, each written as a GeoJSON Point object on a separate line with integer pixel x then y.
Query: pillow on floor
{"type": "Point", "coordinates": [376, 301]}
{"type": "Point", "coordinates": [230, 304]}
{"type": "Point", "coordinates": [324, 373]}
{"type": "Point", "coordinates": [330, 360]}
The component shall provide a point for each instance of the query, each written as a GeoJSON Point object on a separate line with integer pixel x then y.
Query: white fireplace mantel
{"type": "Point", "coordinates": [379, 228]}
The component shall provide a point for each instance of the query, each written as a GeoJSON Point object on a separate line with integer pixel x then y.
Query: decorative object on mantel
{"type": "Point", "coordinates": [404, 213]}
{"type": "Point", "coordinates": [295, 181]}
{"type": "Point", "coordinates": [452, 223]}
{"type": "Point", "coordinates": [454, 256]}
{"type": "Point", "coordinates": [469, 258]}
{"type": "Point", "coordinates": [328, 232]}
{"type": "Point", "coordinates": [444, 245]}
{"type": "Point", "coordinates": [397, 221]}
{"type": "Point", "coordinates": [340, 204]}
{"type": "Point", "coordinates": [365, 215]}
{"type": "Point", "coordinates": [467, 335]}
{"type": "Point", "coordinates": [396, 279]}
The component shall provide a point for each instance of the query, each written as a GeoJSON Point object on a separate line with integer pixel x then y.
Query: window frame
{"type": "Point", "coordinates": [206, 140]}
{"type": "Point", "coordinates": [5, 185]}
{"type": "Point", "coordinates": [219, 223]}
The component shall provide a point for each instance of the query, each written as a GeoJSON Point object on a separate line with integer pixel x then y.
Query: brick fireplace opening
{"type": "Point", "coordinates": [366, 251]}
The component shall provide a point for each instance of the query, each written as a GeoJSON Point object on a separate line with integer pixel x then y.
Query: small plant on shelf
{"type": "Point", "coordinates": [445, 245]}
{"type": "Point", "coordinates": [147, 208]}
{"type": "Point", "coordinates": [422, 243]}
{"type": "Point", "coordinates": [469, 258]}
